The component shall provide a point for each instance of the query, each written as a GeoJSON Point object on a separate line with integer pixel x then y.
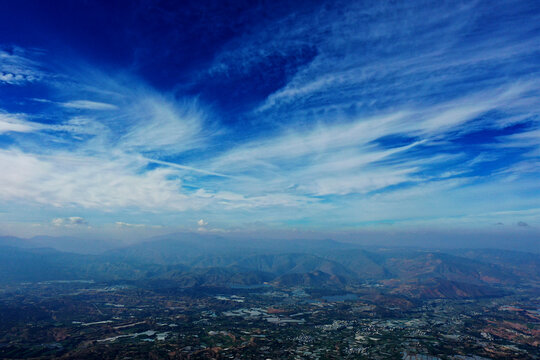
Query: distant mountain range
{"type": "Point", "coordinates": [189, 261]}
{"type": "Point", "coordinates": [60, 243]}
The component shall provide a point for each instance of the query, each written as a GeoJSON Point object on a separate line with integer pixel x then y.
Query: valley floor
{"type": "Point", "coordinates": [77, 320]}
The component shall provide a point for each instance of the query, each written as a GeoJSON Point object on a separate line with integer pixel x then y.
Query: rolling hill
{"type": "Point", "coordinates": [191, 262]}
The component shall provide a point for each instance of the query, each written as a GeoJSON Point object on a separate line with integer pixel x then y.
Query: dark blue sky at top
{"type": "Point", "coordinates": [274, 109]}
{"type": "Point", "coordinates": [168, 43]}
{"type": "Point", "coordinates": [172, 44]}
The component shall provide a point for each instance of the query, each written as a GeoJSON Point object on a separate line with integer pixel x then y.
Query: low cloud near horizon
{"type": "Point", "coordinates": [69, 221]}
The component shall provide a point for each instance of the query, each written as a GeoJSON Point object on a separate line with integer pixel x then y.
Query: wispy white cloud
{"type": "Point", "coordinates": [252, 199]}
{"type": "Point", "coordinates": [69, 221]}
{"type": "Point", "coordinates": [125, 225]}
{"type": "Point", "coordinates": [16, 67]}
{"type": "Point", "coordinates": [106, 184]}
{"type": "Point", "coordinates": [12, 123]}
{"type": "Point", "coordinates": [161, 124]}
{"type": "Point", "coordinates": [344, 157]}
{"type": "Point", "coordinates": [527, 139]}
{"type": "Point", "coordinates": [184, 167]}
{"type": "Point", "coordinates": [88, 105]}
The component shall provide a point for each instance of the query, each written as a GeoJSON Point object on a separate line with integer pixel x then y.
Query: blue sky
{"type": "Point", "coordinates": [278, 118]}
